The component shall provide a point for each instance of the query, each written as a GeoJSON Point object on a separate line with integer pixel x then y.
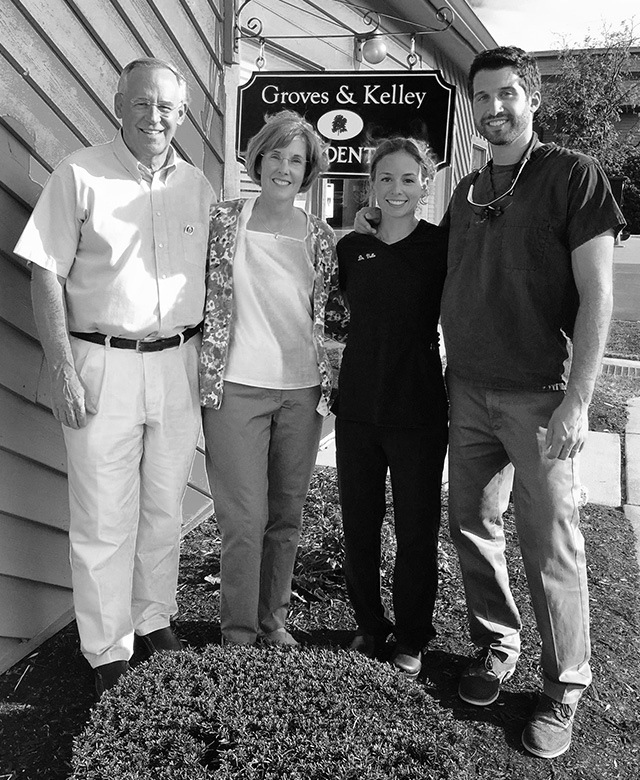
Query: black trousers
{"type": "Point", "coordinates": [415, 459]}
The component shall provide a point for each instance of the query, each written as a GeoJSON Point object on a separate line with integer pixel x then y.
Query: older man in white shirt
{"type": "Point", "coordinates": [117, 244]}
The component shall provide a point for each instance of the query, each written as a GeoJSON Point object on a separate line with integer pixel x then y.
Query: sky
{"type": "Point", "coordinates": [540, 25]}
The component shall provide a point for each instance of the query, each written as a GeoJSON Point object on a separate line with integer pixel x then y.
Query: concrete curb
{"type": "Point", "coordinates": [620, 367]}
{"type": "Point", "coordinates": [632, 469]}
{"type": "Point", "coordinates": [600, 468]}
{"type": "Point", "coordinates": [632, 513]}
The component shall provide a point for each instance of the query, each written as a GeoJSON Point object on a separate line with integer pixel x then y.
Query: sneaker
{"type": "Point", "coordinates": [548, 732]}
{"type": "Point", "coordinates": [407, 660]}
{"type": "Point", "coordinates": [480, 682]}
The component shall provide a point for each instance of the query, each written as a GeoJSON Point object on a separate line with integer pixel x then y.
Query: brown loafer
{"type": "Point", "coordinates": [107, 675]}
{"type": "Point", "coordinates": [161, 641]}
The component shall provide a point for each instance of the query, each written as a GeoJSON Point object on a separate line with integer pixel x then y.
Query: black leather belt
{"type": "Point", "coordinates": [139, 345]}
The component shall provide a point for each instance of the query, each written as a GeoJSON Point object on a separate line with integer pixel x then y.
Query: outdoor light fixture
{"type": "Point", "coordinates": [369, 46]}
{"type": "Point", "coordinates": [374, 50]}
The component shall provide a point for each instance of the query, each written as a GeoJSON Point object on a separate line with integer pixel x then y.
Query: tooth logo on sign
{"type": "Point", "coordinates": [340, 125]}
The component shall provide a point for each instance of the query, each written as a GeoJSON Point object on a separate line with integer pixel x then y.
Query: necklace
{"type": "Point", "coordinates": [275, 233]}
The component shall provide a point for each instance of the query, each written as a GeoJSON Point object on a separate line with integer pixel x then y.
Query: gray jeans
{"type": "Point", "coordinates": [261, 447]}
{"type": "Point", "coordinates": [490, 432]}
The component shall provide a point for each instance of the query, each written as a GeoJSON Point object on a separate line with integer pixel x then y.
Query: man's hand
{"type": "Point", "coordinates": [567, 431]}
{"type": "Point", "coordinates": [592, 265]}
{"type": "Point", "coordinates": [69, 403]}
{"type": "Point", "coordinates": [367, 219]}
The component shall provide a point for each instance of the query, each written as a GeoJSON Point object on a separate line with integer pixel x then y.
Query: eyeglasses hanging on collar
{"type": "Point", "coordinates": [490, 209]}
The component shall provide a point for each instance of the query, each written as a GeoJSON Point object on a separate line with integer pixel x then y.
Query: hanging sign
{"type": "Point", "coordinates": [353, 111]}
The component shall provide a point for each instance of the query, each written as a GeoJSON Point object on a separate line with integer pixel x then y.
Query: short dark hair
{"type": "Point", "coordinates": [524, 64]}
{"type": "Point", "coordinates": [413, 147]}
{"type": "Point", "coordinates": [278, 131]}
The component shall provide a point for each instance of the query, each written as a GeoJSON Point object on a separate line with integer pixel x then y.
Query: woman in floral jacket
{"type": "Point", "coordinates": [265, 378]}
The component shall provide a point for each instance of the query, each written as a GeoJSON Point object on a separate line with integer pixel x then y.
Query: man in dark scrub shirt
{"type": "Point", "coordinates": [529, 267]}
{"type": "Point", "coordinates": [530, 256]}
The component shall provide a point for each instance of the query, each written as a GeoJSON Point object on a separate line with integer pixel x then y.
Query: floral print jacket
{"type": "Point", "coordinates": [223, 231]}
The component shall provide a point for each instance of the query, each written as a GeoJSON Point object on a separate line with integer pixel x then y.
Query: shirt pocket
{"type": "Point", "coordinates": [525, 244]}
{"type": "Point", "coordinates": [194, 235]}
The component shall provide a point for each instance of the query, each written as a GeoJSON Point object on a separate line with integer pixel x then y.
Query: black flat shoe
{"type": "Point", "coordinates": [107, 675]}
{"type": "Point", "coordinates": [368, 644]}
{"type": "Point", "coordinates": [407, 660]}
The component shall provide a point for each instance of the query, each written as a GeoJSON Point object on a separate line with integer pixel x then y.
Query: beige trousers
{"type": "Point", "coordinates": [128, 470]}
{"type": "Point", "coordinates": [261, 449]}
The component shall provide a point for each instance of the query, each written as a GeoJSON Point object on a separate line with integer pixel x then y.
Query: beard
{"type": "Point", "coordinates": [507, 133]}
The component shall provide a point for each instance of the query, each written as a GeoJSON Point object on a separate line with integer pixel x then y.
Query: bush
{"type": "Point", "coordinates": [269, 713]}
{"type": "Point", "coordinates": [631, 207]}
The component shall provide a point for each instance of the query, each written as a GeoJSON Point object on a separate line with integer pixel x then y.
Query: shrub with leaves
{"type": "Point", "coordinates": [269, 713]}
{"type": "Point", "coordinates": [582, 105]}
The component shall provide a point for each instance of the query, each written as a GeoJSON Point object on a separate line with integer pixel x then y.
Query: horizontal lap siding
{"type": "Point", "coordinates": [31, 432]}
{"type": "Point", "coordinates": [33, 492]}
{"type": "Point", "coordinates": [27, 607]}
{"type": "Point", "coordinates": [34, 552]}
{"type": "Point", "coordinates": [59, 66]}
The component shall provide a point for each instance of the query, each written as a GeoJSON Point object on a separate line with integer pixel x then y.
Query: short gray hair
{"type": "Point", "coordinates": [153, 62]}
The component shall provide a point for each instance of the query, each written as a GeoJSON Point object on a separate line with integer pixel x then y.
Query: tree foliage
{"type": "Point", "coordinates": [584, 103]}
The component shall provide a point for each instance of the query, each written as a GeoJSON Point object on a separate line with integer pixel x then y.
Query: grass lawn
{"type": "Point", "coordinates": [46, 698]}
{"type": "Point", "coordinates": [624, 340]}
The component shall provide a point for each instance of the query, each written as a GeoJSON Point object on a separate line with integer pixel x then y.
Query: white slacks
{"type": "Point", "coordinates": [128, 470]}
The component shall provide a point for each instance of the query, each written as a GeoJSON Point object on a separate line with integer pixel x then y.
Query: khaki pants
{"type": "Point", "coordinates": [128, 470]}
{"type": "Point", "coordinates": [490, 429]}
{"type": "Point", "coordinates": [261, 448]}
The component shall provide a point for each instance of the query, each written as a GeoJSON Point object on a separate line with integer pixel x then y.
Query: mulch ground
{"type": "Point", "coordinates": [46, 698]}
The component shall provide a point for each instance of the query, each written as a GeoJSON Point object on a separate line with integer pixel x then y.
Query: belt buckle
{"type": "Point", "coordinates": [153, 345]}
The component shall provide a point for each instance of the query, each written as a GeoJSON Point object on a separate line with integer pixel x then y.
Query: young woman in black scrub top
{"type": "Point", "coordinates": [392, 408]}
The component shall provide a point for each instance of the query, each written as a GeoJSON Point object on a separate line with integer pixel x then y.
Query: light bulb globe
{"type": "Point", "coordinates": [374, 50]}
